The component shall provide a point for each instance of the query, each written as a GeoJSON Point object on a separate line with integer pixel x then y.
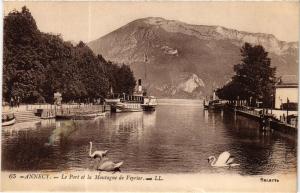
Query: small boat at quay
{"type": "Point", "coordinates": [45, 114]}
{"type": "Point", "coordinates": [80, 116]}
{"type": "Point", "coordinates": [8, 119]}
{"type": "Point", "coordinates": [48, 115]}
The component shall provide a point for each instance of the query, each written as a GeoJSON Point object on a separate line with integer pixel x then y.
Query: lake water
{"type": "Point", "coordinates": [177, 138]}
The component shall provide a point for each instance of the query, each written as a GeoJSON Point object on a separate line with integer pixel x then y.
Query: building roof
{"type": "Point", "coordinates": [287, 81]}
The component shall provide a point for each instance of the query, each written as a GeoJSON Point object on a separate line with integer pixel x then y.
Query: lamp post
{"type": "Point", "coordinates": [287, 107]}
{"type": "Point", "coordinates": [280, 103]}
{"type": "Point", "coordinates": [272, 102]}
{"type": "Point", "coordinates": [250, 101]}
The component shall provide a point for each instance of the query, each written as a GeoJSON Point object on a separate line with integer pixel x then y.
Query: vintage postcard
{"type": "Point", "coordinates": [150, 96]}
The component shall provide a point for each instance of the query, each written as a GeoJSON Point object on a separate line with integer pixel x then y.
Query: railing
{"type": "Point", "coordinates": [71, 110]}
{"type": "Point", "coordinates": [291, 121]}
{"type": "Point", "coordinates": [248, 110]}
{"type": "Point", "coordinates": [53, 108]}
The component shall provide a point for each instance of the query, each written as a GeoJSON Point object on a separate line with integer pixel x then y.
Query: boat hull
{"type": "Point", "coordinates": [49, 117]}
{"type": "Point", "coordinates": [148, 107]}
{"type": "Point", "coordinates": [8, 123]}
{"type": "Point", "coordinates": [150, 102]}
{"type": "Point", "coordinates": [216, 105]}
{"type": "Point", "coordinates": [132, 103]}
{"type": "Point", "coordinates": [89, 116]}
{"type": "Point", "coordinates": [8, 118]}
{"type": "Point", "coordinates": [126, 107]}
{"type": "Point", "coordinates": [112, 100]}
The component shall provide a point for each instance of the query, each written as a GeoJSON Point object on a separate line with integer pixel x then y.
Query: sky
{"type": "Point", "coordinates": [88, 21]}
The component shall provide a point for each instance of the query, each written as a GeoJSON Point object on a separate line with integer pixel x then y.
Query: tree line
{"type": "Point", "coordinates": [38, 64]}
{"type": "Point", "coordinates": [254, 78]}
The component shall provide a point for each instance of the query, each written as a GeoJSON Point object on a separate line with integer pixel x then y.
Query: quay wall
{"type": "Point", "coordinates": [250, 114]}
{"type": "Point", "coordinates": [34, 107]}
{"type": "Point", "coordinates": [284, 128]}
{"type": "Point", "coordinates": [29, 113]}
{"type": "Point", "coordinates": [274, 124]}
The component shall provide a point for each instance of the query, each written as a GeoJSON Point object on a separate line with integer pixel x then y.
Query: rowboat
{"type": "Point", "coordinates": [8, 119]}
{"type": "Point", "coordinates": [80, 116]}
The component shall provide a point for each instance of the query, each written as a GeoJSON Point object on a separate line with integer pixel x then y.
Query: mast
{"type": "Point", "coordinates": [145, 60]}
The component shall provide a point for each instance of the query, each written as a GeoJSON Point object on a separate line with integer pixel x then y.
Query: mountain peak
{"type": "Point", "coordinates": [154, 19]}
{"type": "Point", "coordinates": [174, 47]}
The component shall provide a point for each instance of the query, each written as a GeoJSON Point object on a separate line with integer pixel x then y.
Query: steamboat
{"type": "Point", "coordinates": [139, 101]}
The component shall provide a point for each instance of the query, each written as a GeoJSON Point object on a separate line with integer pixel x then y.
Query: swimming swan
{"type": "Point", "coordinates": [224, 159]}
{"type": "Point", "coordinates": [106, 165]}
{"type": "Point", "coordinates": [96, 154]}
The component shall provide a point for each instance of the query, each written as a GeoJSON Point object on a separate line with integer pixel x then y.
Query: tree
{"type": "Point", "coordinates": [21, 60]}
{"type": "Point", "coordinates": [254, 77]}
{"type": "Point", "coordinates": [125, 81]}
{"type": "Point", "coordinates": [37, 64]}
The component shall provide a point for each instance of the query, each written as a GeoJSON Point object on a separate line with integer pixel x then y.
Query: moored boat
{"type": "Point", "coordinates": [149, 104]}
{"type": "Point", "coordinates": [139, 101]}
{"type": "Point", "coordinates": [216, 104]}
{"type": "Point", "coordinates": [128, 103]}
{"type": "Point", "coordinates": [8, 119]}
{"type": "Point", "coordinates": [80, 116]}
{"type": "Point", "coordinates": [48, 115]}
{"type": "Point", "coordinates": [113, 100]}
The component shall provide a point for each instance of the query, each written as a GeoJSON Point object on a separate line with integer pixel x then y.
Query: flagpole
{"type": "Point", "coordinates": [145, 60]}
{"type": "Point", "coordinates": [287, 108]}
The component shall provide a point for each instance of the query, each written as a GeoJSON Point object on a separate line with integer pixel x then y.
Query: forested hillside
{"type": "Point", "coordinates": [37, 64]}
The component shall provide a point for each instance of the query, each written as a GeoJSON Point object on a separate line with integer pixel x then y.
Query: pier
{"type": "Point", "coordinates": [276, 120]}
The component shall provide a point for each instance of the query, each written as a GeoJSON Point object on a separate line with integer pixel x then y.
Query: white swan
{"type": "Point", "coordinates": [96, 154]}
{"type": "Point", "coordinates": [106, 165]}
{"type": "Point", "coordinates": [224, 159]}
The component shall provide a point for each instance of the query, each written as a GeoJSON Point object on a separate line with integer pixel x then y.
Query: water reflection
{"type": "Point", "coordinates": [263, 151]}
{"type": "Point", "coordinates": [13, 131]}
{"type": "Point", "coordinates": [61, 132]}
{"type": "Point", "coordinates": [128, 121]}
{"type": "Point", "coordinates": [47, 122]}
{"type": "Point", "coordinates": [173, 139]}
{"type": "Point", "coordinates": [205, 113]}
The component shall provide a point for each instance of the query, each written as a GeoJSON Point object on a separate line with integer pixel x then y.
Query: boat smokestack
{"type": "Point", "coordinates": [140, 88]}
{"type": "Point", "coordinates": [214, 95]}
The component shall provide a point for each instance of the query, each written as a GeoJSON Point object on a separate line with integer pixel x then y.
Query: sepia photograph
{"type": "Point", "coordinates": [150, 96]}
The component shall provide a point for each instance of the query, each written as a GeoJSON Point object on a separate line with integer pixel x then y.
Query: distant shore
{"type": "Point", "coordinates": [185, 102]}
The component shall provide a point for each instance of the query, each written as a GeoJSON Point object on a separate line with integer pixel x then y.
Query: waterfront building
{"type": "Point", "coordinates": [286, 90]}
